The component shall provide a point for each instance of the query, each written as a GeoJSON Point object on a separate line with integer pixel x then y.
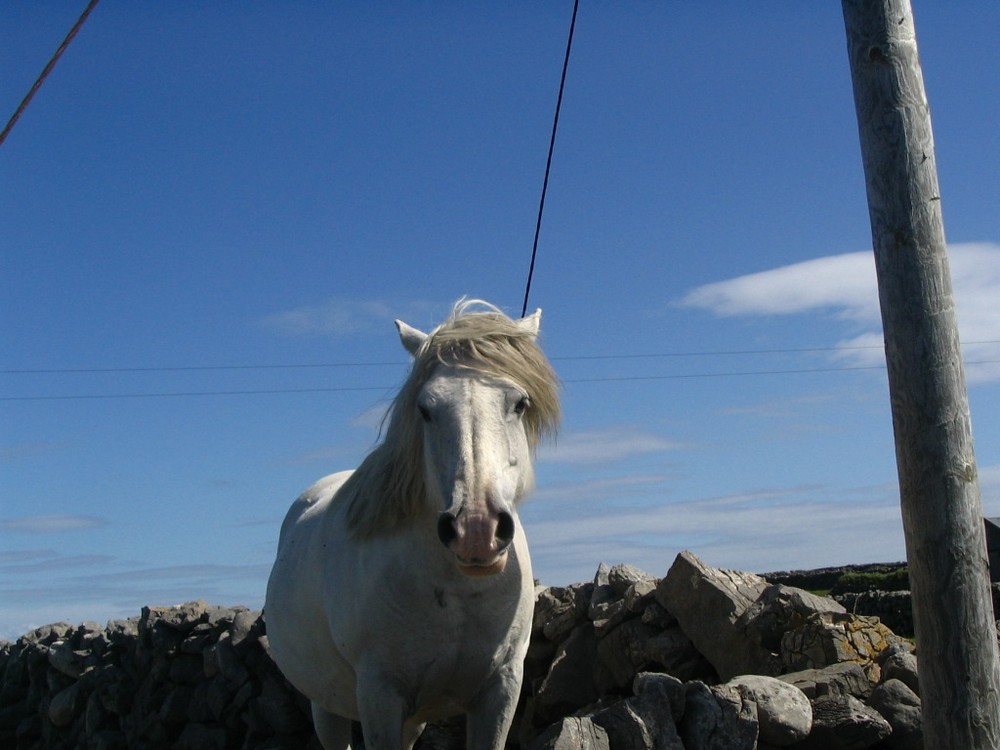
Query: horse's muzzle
{"type": "Point", "coordinates": [479, 541]}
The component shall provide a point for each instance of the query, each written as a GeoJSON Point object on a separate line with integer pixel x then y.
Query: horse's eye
{"type": "Point", "coordinates": [425, 413]}
{"type": "Point", "coordinates": [521, 406]}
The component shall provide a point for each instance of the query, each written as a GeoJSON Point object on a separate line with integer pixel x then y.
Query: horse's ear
{"type": "Point", "coordinates": [412, 338]}
{"type": "Point", "coordinates": [531, 323]}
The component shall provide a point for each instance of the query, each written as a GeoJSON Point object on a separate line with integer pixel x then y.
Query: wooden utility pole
{"type": "Point", "coordinates": [939, 490]}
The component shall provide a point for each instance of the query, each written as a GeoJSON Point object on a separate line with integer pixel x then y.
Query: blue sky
{"type": "Point", "coordinates": [212, 212]}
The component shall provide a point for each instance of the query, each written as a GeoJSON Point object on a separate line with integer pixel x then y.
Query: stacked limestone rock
{"type": "Point", "coordinates": [702, 659]}
{"type": "Point", "coordinates": [708, 658]}
{"type": "Point", "coordinates": [188, 677]}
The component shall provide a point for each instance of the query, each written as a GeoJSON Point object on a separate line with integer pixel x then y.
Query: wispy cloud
{"type": "Point", "coordinates": [16, 557]}
{"type": "Point", "coordinates": [784, 406]}
{"type": "Point", "coordinates": [55, 562]}
{"type": "Point", "coordinates": [326, 455]}
{"type": "Point", "coordinates": [98, 587]}
{"type": "Point", "coordinates": [844, 286]}
{"type": "Point", "coordinates": [770, 529]}
{"type": "Point", "coordinates": [335, 317]}
{"type": "Point", "coordinates": [591, 496]}
{"type": "Point", "coordinates": [53, 524]}
{"type": "Point", "coordinates": [374, 417]}
{"type": "Point", "coordinates": [342, 317]}
{"type": "Point", "coordinates": [606, 445]}
{"type": "Point", "coordinates": [28, 616]}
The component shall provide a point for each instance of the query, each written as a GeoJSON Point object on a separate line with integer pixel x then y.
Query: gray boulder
{"type": "Point", "coordinates": [569, 684]}
{"type": "Point", "coordinates": [634, 646]}
{"type": "Point", "coordinates": [632, 726]}
{"type": "Point", "coordinates": [662, 691]}
{"type": "Point", "coordinates": [780, 608]}
{"type": "Point", "coordinates": [902, 666]}
{"type": "Point", "coordinates": [783, 711]}
{"type": "Point", "coordinates": [899, 706]}
{"type": "Point", "coordinates": [842, 722]}
{"type": "Point", "coordinates": [572, 733]}
{"type": "Point", "coordinates": [559, 609]}
{"type": "Point", "coordinates": [707, 603]}
{"type": "Point", "coordinates": [846, 678]}
{"type": "Point", "coordinates": [619, 592]}
{"type": "Point", "coordinates": [718, 718]}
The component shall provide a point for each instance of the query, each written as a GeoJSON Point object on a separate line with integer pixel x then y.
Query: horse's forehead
{"type": "Point", "coordinates": [461, 385]}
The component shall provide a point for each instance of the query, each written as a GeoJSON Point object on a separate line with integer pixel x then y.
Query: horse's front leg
{"type": "Point", "coordinates": [384, 712]}
{"type": "Point", "coordinates": [491, 713]}
{"type": "Point", "coordinates": [334, 731]}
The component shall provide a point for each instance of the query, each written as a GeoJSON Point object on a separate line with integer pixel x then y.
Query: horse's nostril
{"type": "Point", "coordinates": [446, 529]}
{"type": "Point", "coordinates": [505, 530]}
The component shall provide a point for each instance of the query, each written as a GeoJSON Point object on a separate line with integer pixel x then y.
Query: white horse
{"type": "Point", "coordinates": [402, 592]}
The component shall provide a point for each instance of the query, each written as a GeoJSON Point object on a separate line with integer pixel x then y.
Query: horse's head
{"type": "Point", "coordinates": [478, 425]}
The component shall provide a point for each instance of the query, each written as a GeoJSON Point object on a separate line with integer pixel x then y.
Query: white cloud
{"type": "Point", "coordinates": [844, 283]}
{"type": "Point", "coordinates": [604, 446]}
{"type": "Point", "coordinates": [845, 287]}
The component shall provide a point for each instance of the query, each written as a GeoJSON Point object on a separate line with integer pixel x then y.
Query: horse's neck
{"type": "Point", "coordinates": [381, 495]}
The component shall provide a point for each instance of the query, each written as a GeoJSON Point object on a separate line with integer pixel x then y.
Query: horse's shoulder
{"type": "Point", "coordinates": [315, 499]}
{"type": "Point", "coordinates": [324, 489]}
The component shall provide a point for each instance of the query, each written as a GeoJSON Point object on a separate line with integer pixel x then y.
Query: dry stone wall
{"type": "Point", "coordinates": [700, 659]}
{"type": "Point", "coordinates": [192, 677]}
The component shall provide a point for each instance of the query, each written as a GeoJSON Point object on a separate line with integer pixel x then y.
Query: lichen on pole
{"type": "Point", "coordinates": [939, 489]}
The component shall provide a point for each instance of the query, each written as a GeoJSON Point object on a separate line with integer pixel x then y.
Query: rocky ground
{"type": "Point", "coordinates": [699, 659]}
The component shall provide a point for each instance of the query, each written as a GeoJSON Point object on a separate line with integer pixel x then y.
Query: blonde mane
{"type": "Point", "coordinates": [388, 488]}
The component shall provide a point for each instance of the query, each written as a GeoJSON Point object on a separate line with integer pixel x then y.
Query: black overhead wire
{"type": "Point", "coordinates": [548, 161]}
{"type": "Point", "coordinates": [400, 362]}
{"type": "Point", "coordinates": [534, 251]}
{"type": "Point", "coordinates": [388, 389]}
{"type": "Point", "coordinates": [45, 72]}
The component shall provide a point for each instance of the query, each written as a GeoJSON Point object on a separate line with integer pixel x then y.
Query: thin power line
{"type": "Point", "coordinates": [193, 368]}
{"type": "Point", "coordinates": [548, 161]}
{"type": "Point", "coordinates": [45, 72]}
{"type": "Point", "coordinates": [389, 389]}
{"type": "Point", "coordinates": [183, 394]}
{"type": "Point", "coordinates": [400, 363]}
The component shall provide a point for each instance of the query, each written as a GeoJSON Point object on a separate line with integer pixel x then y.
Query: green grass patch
{"type": "Point", "coordinates": [892, 580]}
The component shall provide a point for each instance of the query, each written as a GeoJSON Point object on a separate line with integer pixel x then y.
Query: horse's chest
{"type": "Point", "coordinates": [460, 626]}
{"type": "Point", "coordinates": [443, 638]}
{"type": "Point", "coordinates": [467, 645]}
